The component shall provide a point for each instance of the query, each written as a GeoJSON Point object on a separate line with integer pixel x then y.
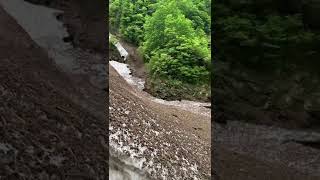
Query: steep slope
{"type": "Point", "coordinates": [160, 140]}
{"type": "Point", "coordinates": [44, 134]}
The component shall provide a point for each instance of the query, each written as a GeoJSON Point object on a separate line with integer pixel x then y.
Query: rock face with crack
{"type": "Point", "coordinates": [151, 142]}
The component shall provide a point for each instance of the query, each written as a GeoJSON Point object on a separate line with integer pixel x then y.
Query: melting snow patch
{"type": "Point", "coordinates": [125, 72]}
{"type": "Point", "coordinates": [122, 51]}
{"type": "Point", "coordinates": [50, 36]}
{"type": "Point", "coordinates": [193, 106]}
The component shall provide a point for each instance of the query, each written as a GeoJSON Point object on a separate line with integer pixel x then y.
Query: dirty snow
{"type": "Point", "coordinates": [124, 54]}
{"type": "Point", "coordinates": [49, 36]}
{"type": "Point", "coordinates": [135, 151]}
{"type": "Point", "coordinates": [125, 72]}
{"type": "Point", "coordinates": [192, 106]}
{"type": "Point", "coordinates": [135, 158]}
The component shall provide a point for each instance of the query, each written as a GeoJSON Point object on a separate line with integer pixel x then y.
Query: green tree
{"type": "Point", "coordinates": [128, 16]}
{"type": "Point", "coordinates": [174, 37]}
{"type": "Point", "coordinates": [174, 47]}
{"type": "Point", "coordinates": [115, 10]}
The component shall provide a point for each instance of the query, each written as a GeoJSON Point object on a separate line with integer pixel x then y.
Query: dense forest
{"type": "Point", "coordinates": [266, 61]}
{"type": "Point", "coordinates": [268, 35]}
{"type": "Point", "coordinates": [174, 39]}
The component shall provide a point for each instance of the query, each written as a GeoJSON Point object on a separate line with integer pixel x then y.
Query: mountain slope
{"type": "Point", "coordinates": [43, 132]}
{"type": "Point", "coordinates": [162, 141]}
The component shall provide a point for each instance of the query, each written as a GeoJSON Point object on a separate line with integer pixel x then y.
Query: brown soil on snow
{"type": "Point", "coordinates": [44, 133]}
{"type": "Point", "coordinates": [227, 165]}
{"type": "Point", "coordinates": [172, 133]}
{"type": "Point", "coordinates": [131, 110]}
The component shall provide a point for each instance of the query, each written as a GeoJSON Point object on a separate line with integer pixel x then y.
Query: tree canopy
{"type": "Point", "coordinates": [173, 36]}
